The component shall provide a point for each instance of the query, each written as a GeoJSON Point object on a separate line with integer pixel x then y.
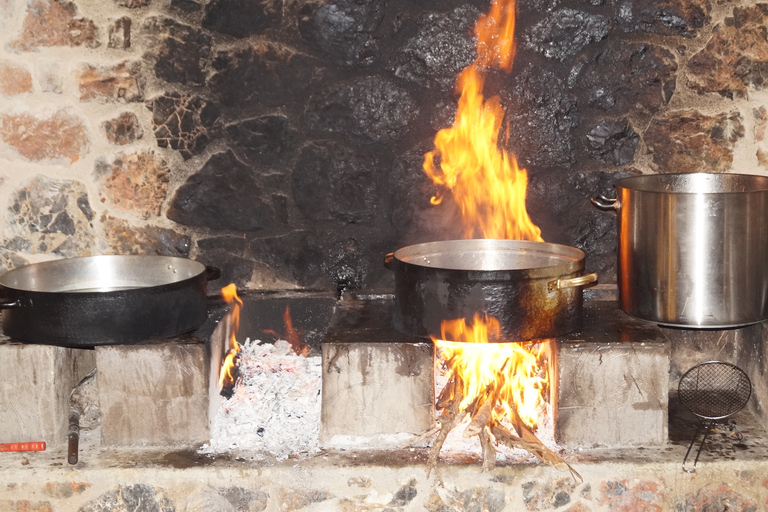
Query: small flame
{"type": "Point", "coordinates": [229, 294]}
{"type": "Point", "coordinates": [486, 182]}
{"type": "Point", "coordinates": [516, 373]}
{"type": "Point", "coordinates": [291, 335]}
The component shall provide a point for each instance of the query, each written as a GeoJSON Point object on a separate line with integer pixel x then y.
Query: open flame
{"type": "Point", "coordinates": [291, 335]}
{"type": "Point", "coordinates": [229, 294]}
{"type": "Point", "coordinates": [486, 182]}
{"type": "Point", "coordinates": [490, 382]}
{"type": "Point", "coordinates": [514, 375]}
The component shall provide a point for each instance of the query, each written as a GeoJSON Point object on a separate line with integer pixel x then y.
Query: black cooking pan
{"type": "Point", "coordinates": [104, 300]}
{"type": "Point", "coordinates": [534, 289]}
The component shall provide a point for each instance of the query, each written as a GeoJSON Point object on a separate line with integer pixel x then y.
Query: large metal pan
{"type": "Point", "coordinates": [104, 300]}
{"type": "Point", "coordinates": [693, 248]}
{"type": "Point", "coordinates": [534, 289]}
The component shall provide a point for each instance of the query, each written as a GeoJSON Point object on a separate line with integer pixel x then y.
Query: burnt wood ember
{"type": "Point", "coordinates": [488, 429]}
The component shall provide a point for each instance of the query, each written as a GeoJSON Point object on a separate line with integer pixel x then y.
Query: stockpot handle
{"type": "Point", "coordinates": [389, 261]}
{"type": "Point", "coordinates": [572, 282]}
{"type": "Point", "coordinates": [605, 203]}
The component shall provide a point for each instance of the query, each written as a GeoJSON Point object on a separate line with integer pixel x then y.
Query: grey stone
{"type": "Point", "coordinates": [565, 32]}
{"type": "Point", "coordinates": [245, 500]}
{"type": "Point", "coordinates": [131, 498]}
{"type": "Point", "coordinates": [405, 494]}
{"type": "Point", "coordinates": [153, 395]}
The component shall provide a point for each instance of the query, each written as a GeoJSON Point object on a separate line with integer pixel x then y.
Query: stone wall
{"type": "Point", "coordinates": [282, 140]}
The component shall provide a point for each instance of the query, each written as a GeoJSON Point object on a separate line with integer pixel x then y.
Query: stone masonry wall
{"type": "Point", "coordinates": [282, 140]}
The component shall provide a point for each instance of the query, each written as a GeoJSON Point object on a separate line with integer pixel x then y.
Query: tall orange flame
{"type": "Point", "coordinates": [229, 294]}
{"type": "Point", "coordinates": [516, 373]}
{"type": "Point", "coordinates": [486, 182]}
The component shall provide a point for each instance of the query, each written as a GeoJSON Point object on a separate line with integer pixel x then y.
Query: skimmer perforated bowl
{"type": "Point", "coordinates": [712, 391]}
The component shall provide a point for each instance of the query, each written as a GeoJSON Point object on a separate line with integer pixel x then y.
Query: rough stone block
{"type": "Point", "coordinates": [613, 383]}
{"type": "Point", "coordinates": [153, 395]}
{"type": "Point", "coordinates": [374, 392]}
{"type": "Point", "coordinates": [35, 383]}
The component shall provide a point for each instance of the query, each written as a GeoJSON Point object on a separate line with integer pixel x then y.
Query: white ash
{"type": "Point", "coordinates": [275, 407]}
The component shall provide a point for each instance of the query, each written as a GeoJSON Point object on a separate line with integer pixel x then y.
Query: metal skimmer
{"type": "Point", "coordinates": [712, 391]}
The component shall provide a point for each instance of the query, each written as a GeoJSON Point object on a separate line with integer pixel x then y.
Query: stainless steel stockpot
{"type": "Point", "coordinates": [693, 248]}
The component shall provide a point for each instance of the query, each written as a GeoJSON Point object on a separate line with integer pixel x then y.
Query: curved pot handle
{"type": "Point", "coordinates": [605, 203]}
{"type": "Point", "coordinates": [389, 261]}
{"type": "Point", "coordinates": [15, 303]}
{"type": "Point", "coordinates": [212, 273]}
{"type": "Point", "coordinates": [572, 282]}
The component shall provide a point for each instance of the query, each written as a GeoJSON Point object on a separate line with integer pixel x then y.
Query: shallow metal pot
{"type": "Point", "coordinates": [693, 248]}
{"type": "Point", "coordinates": [534, 289]}
{"type": "Point", "coordinates": [104, 300]}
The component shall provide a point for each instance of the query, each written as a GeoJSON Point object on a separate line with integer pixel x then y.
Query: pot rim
{"type": "Point", "coordinates": [660, 183]}
{"type": "Point", "coordinates": [31, 278]}
{"type": "Point", "coordinates": [568, 260]}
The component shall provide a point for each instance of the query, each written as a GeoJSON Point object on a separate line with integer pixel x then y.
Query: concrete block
{"type": "Point", "coordinates": [35, 383]}
{"type": "Point", "coordinates": [613, 382]}
{"type": "Point", "coordinates": [375, 393]}
{"type": "Point", "coordinates": [153, 395]}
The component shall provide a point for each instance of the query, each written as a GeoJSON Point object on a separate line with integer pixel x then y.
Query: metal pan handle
{"type": "Point", "coordinates": [389, 261]}
{"type": "Point", "coordinates": [605, 203]}
{"type": "Point", "coordinates": [14, 303]}
{"type": "Point", "coordinates": [212, 273]}
{"type": "Point", "coordinates": [572, 282]}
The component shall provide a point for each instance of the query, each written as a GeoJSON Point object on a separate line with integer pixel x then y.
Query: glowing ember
{"type": "Point", "coordinates": [229, 294]}
{"type": "Point", "coordinates": [485, 181]}
{"type": "Point", "coordinates": [515, 374]}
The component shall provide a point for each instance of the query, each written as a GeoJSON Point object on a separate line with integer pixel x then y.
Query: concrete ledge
{"type": "Point", "coordinates": [375, 481]}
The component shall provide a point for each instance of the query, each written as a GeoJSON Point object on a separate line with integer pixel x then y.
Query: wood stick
{"type": "Point", "coordinates": [482, 417]}
{"type": "Point", "coordinates": [489, 452]}
{"type": "Point", "coordinates": [424, 435]}
{"type": "Point", "coordinates": [447, 421]}
{"type": "Point", "coordinates": [446, 394]}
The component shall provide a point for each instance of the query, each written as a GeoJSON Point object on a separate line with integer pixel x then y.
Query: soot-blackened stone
{"type": "Point", "coordinates": [224, 194]}
{"type": "Point", "coordinates": [565, 32]}
{"type": "Point", "coordinates": [441, 48]}
{"type": "Point", "coordinates": [241, 18]}
{"type": "Point", "coordinates": [183, 123]}
{"type": "Point", "coordinates": [536, 7]}
{"type": "Point", "coordinates": [613, 141]}
{"type": "Point", "coordinates": [296, 256]}
{"type": "Point", "coordinates": [539, 103]}
{"type": "Point", "coordinates": [333, 182]}
{"type": "Point", "coordinates": [664, 17]}
{"type": "Point", "coordinates": [265, 140]}
{"type": "Point", "coordinates": [343, 29]}
{"type": "Point", "coordinates": [345, 263]}
{"type": "Point", "coordinates": [372, 109]}
{"type": "Point", "coordinates": [178, 51]}
{"type": "Point", "coordinates": [261, 76]}
{"type": "Point", "coordinates": [624, 75]}
{"type": "Point", "coordinates": [225, 253]}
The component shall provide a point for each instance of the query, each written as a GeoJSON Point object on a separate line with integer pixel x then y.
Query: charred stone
{"type": "Point", "coordinates": [663, 17]}
{"type": "Point", "coordinates": [241, 18]}
{"type": "Point", "coordinates": [441, 48]}
{"type": "Point", "coordinates": [224, 194]}
{"type": "Point", "coordinates": [267, 139]}
{"type": "Point", "coordinates": [613, 141]}
{"type": "Point", "coordinates": [333, 182]}
{"type": "Point", "coordinates": [343, 30]}
{"type": "Point", "coordinates": [372, 108]}
{"type": "Point", "coordinates": [565, 32]}
{"type": "Point", "coordinates": [178, 51]}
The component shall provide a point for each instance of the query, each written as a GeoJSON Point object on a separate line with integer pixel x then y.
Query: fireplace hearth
{"type": "Point", "coordinates": [617, 422]}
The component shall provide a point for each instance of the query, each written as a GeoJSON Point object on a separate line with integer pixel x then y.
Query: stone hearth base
{"type": "Point", "coordinates": [395, 481]}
